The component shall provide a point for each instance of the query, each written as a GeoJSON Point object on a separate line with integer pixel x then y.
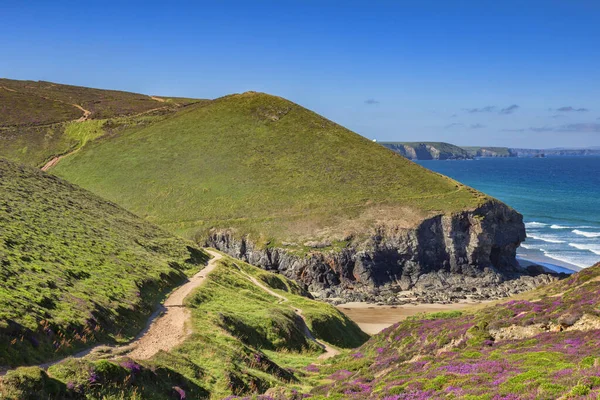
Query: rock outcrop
{"type": "Point", "coordinates": [445, 258]}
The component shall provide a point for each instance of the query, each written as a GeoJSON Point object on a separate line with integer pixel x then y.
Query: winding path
{"type": "Point", "coordinates": [172, 327]}
{"type": "Point", "coordinates": [167, 327]}
{"type": "Point", "coordinates": [329, 351]}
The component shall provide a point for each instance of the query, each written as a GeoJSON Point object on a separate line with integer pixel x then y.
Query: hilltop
{"type": "Point", "coordinates": [277, 185]}
{"type": "Point", "coordinates": [41, 120]}
{"type": "Point", "coordinates": [77, 270]}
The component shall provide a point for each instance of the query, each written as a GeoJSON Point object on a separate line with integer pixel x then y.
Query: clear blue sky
{"type": "Point", "coordinates": [514, 73]}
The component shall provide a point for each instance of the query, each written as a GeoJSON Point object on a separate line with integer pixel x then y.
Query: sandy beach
{"type": "Point", "coordinates": [372, 318]}
{"type": "Point", "coordinates": [537, 257]}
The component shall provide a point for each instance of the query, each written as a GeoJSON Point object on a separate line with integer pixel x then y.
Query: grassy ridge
{"type": "Point", "coordinates": [38, 119]}
{"type": "Point", "coordinates": [263, 165]}
{"type": "Point", "coordinates": [543, 345]}
{"type": "Point", "coordinates": [18, 109]}
{"type": "Point", "coordinates": [245, 341]}
{"type": "Point", "coordinates": [102, 103]}
{"type": "Point", "coordinates": [76, 269]}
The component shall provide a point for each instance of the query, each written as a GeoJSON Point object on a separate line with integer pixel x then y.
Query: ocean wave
{"type": "Point", "coordinates": [535, 224]}
{"type": "Point", "coordinates": [545, 239]}
{"type": "Point", "coordinates": [588, 247]}
{"type": "Point", "coordinates": [528, 246]}
{"type": "Point", "coordinates": [586, 234]}
{"type": "Point", "coordinates": [569, 260]}
{"type": "Point", "coordinates": [559, 227]}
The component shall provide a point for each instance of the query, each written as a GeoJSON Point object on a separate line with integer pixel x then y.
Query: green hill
{"type": "Point", "coordinates": [76, 269]}
{"type": "Point", "coordinates": [277, 185]}
{"type": "Point", "coordinates": [258, 163]}
{"type": "Point", "coordinates": [273, 183]}
{"type": "Point", "coordinates": [41, 120]}
{"type": "Point", "coordinates": [543, 345]}
{"type": "Point", "coordinates": [428, 150]}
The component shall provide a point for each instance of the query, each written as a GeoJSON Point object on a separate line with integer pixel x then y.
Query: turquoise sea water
{"type": "Point", "coordinates": [559, 198]}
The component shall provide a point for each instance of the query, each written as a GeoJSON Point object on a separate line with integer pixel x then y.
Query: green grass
{"type": "Point", "coordinates": [83, 132]}
{"type": "Point", "coordinates": [234, 321]}
{"type": "Point", "coordinates": [244, 342]}
{"type": "Point", "coordinates": [76, 269]}
{"type": "Point", "coordinates": [264, 166]}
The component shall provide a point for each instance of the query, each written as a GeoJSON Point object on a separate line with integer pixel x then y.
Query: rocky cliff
{"type": "Point", "coordinates": [470, 254]}
{"type": "Point", "coordinates": [428, 150]}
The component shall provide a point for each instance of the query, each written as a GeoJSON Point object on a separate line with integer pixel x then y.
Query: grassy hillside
{"type": "Point", "coordinates": [245, 341]}
{"type": "Point", "coordinates": [542, 345]}
{"type": "Point", "coordinates": [428, 150]}
{"type": "Point", "coordinates": [76, 269]}
{"type": "Point", "coordinates": [539, 345]}
{"type": "Point", "coordinates": [37, 118]}
{"type": "Point", "coordinates": [263, 165]}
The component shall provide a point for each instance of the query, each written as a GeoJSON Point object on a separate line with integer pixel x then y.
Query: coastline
{"type": "Point", "coordinates": [373, 318]}
{"type": "Point", "coordinates": [536, 257]}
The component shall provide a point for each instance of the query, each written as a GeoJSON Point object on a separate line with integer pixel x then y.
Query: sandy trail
{"type": "Point", "coordinates": [157, 99]}
{"type": "Point", "coordinates": [172, 327]}
{"type": "Point", "coordinates": [329, 351]}
{"type": "Point", "coordinates": [86, 113]}
{"type": "Point", "coordinates": [57, 159]}
{"type": "Point", "coordinates": [372, 318]}
{"type": "Point", "coordinates": [167, 327]}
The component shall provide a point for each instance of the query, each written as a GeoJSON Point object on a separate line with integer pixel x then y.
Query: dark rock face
{"type": "Point", "coordinates": [446, 258]}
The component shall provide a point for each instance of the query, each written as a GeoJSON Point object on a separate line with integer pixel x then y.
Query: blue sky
{"type": "Point", "coordinates": [512, 73]}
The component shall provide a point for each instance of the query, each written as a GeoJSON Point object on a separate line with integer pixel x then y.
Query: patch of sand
{"type": "Point", "coordinates": [372, 318]}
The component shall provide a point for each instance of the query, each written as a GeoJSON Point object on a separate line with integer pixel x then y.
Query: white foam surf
{"type": "Point", "coordinates": [535, 224]}
{"type": "Point", "coordinates": [594, 248]}
{"type": "Point", "coordinates": [545, 238]}
{"type": "Point", "coordinates": [569, 260]}
{"type": "Point", "coordinates": [586, 234]}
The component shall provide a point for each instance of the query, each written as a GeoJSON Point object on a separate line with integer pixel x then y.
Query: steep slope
{"type": "Point", "coordinates": [428, 150]}
{"type": "Point", "coordinates": [252, 330]}
{"type": "Point", "coordinates": [76, 269]}
{"type": "Point", "coordinates": [275, 184]}
{"type": "Point", "coordinates": [541, 346]}
{"type": "Point", "coordinates": [42, 120]}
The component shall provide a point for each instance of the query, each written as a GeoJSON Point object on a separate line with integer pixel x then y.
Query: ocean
{"type": "Point", "coordinates": [559, 198]}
